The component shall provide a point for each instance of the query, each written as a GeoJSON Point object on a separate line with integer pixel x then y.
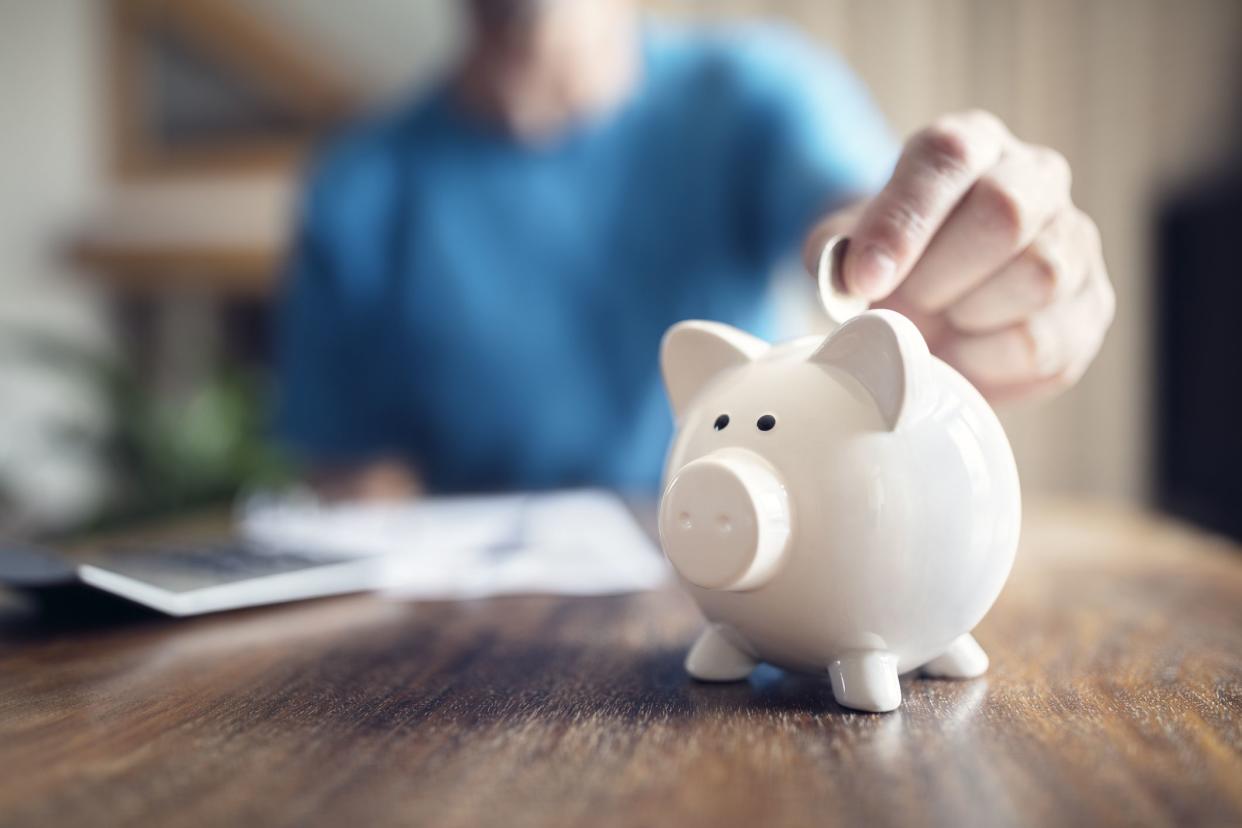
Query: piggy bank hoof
{"type": "Point", "coordinates": [715, 658]}
{"type": "Point", "coordinates": [866, 681]}
{"type": "Point", "coordinates": [964, 659]}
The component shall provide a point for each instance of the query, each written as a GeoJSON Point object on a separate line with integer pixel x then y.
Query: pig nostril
{"type": "Point", "coordinates": [724, 524]}
{"type": "Point", "coordinates": [685, 521]}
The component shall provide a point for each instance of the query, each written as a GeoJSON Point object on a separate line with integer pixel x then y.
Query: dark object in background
{"type": "Point", "coordinates": [34, 568]}
{"type": "Point", "coordinates": [1198, 305]}
{"type": "Point", "coordinates": [49, 582]}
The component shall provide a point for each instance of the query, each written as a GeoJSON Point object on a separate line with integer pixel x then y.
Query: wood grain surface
{"type": "Point", "coordinates": [1115, 697]}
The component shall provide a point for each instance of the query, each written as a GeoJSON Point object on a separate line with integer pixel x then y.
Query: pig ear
{"type": "Point", "coordinates": [888, 356]}
{"type": "Point", "coordinates": [694, 352]}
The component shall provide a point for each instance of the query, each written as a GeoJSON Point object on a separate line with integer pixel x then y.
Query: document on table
{"type": "Point", "coordinates": [578, 542]}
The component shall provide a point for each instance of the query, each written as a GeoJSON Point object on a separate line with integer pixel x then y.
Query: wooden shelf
{"type": "Point", "coordinates": [224, 235]}
{"type": "Point", "coordinates": [227, 272]}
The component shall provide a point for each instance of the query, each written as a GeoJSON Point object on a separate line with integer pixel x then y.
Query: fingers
{"type": "Point", "coordinates": [1050, 349]}
{"type": "Point", "coordinates": [975, 239]}
{"type": "Point", "coordinates": [938, 167]}
{"type": "Point", "coordinates": [1001, 214]}
{"type": "Point", "coordinates": [1051, 268]}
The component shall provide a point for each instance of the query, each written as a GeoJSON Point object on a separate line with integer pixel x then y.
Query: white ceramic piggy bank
{"type": "Point", "coordinates": [845, 503]}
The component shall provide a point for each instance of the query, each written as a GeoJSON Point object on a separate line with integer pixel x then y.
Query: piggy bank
{"type": "Point", "coordinates": [846, 503]}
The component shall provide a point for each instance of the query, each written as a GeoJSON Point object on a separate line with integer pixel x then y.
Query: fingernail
{"type": "Point", "coordinates": [873, 273]}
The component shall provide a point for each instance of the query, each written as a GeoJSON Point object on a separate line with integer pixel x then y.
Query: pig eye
{"type": "Point", "coordinates": [766, 423]}
{"type": "Point", "coordinates": [721, 422]}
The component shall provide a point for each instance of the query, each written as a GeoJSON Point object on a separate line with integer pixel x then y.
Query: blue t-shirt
{"type": "Point", "coordinates": [492, 312]}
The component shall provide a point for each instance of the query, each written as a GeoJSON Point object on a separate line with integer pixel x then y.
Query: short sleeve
{"type": "Point", "coordinates": [820, 140]}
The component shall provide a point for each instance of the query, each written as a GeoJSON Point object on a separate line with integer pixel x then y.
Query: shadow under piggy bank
{"type": "Point", "coordinates": [773, 689]}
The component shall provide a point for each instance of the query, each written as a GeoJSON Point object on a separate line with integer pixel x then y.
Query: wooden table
{"type": "Point", "coordinates": [1115, 696]}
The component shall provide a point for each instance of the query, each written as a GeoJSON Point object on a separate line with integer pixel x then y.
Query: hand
{"type": "Point", "coordinates": [383, 479]}
{"type": "Point", "coordinates": [975, 238]}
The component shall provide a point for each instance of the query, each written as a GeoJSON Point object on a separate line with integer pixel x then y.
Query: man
{"type": "Point", "coordinates": [481, 280]}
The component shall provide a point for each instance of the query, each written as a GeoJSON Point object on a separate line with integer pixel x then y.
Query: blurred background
{"type": "Point", "coordinates": [149, 168]}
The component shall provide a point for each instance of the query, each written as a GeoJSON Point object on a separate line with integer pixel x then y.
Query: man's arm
{"type": "Point", "coordinates": [379, 479]}
{"type": "Point", "coordinates": [821, 140]}
{"type": "Point", "coordinates": [326, 414]}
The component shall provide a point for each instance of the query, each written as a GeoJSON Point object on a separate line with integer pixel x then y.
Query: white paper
{"type": "Point", "coordinates": [580, 542]}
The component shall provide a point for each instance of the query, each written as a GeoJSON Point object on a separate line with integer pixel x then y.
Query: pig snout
{"type": "Point", "coordinates": [724, 520]}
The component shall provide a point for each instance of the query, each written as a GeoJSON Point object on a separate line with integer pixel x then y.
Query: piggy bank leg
{"type": "Point", "coordinates": [714, 657]}
{"type": "Point", "coordinates": [962, 660]}
{"type": "Point", "coordinates": [866, 680]}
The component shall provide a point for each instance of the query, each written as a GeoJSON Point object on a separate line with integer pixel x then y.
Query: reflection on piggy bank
{"type": "Point", "coordinates": [845, 503]}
